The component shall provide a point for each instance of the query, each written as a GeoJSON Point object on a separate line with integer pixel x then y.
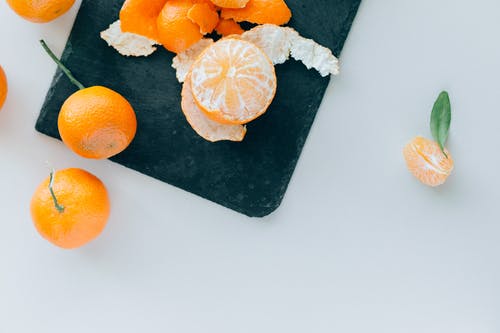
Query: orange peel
{"type": "Point", "coordinates": [228, 27]}
{"type": "Point", "coordinates": [139, 17]}
{"type": "Point", "coordinates": [260, 12]}
{"type": "Point", "coordinates": [230, 3]}
{"type": "Point", "coordinates": [127, 43]}
{"type": "Point", "coordinates": [205, 16]}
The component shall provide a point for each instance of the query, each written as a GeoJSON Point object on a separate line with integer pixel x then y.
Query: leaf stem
{"type": "Point", "coordinates": [59, 208]}
{"type": "Point", "coordinates": [61, 66]}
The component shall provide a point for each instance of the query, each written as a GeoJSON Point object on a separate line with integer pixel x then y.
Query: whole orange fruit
{"type": "Point", "coordinates": [3, 87]}
{"type": "Point", "coordinates": [97, 122]}
{"type": "Point", "coordinates": [40, 11]}
{"type": "Point", "coordinates": [71, 211]}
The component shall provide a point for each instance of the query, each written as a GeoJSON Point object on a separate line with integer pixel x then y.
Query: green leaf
{"type": "Point", "coordinates": [441, 119]}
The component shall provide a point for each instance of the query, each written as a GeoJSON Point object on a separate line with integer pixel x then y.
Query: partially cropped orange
{"type": "Point", "coordinates": [140, 17]}
{"type": "Point", "coordinates": [40, 11]}
{"type": "Point", "coordinates": [176, 31]}
{"type": "Point", "coordinates": [426, 161]}
{"type": "Point", "coordinates": [260, 12]}
{"type": "Point", "coordinates": [3, 87]}
{"type": "Point", "coordinates": [76, 211]}
{"type": "Point", "coordinates": [228, 27]}
{"type": "Point", "coordinates": [97, 122]}
{"type": "Point", "coordinates": [230, 3]}
{"type": "Point", "coordinates": [233, 81]}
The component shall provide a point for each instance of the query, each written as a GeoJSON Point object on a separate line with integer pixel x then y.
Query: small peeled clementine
{"type": "Point", "coordinates": [95, 122]}
{"type": "Point", "coordinates": [233, 81]}
{"type": "Point", "coordinates": [427, 162]}
{"type": "Point", "coordinates": [206, 128]}
{"type": "Point", "coordinates": [70, 208]}
{"type": "Point", "coordinates": [3, 87]}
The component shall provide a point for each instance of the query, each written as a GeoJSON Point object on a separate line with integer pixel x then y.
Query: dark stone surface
{"type": "Point", "coordinates": [250, 177]}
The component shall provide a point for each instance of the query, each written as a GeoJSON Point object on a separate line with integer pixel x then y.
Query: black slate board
{"type": "Point", "coordinates": [250, 177]}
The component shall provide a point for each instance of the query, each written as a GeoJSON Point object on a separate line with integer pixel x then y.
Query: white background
{"type": "Point", "coordinates": [358, 244]}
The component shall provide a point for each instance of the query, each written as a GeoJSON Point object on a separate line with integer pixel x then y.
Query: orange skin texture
{"type": "Point", "coordinates": [177, 24]}
{"type": "Point", "coordinates": [41, 11]}
{"type": "Point", "coordinates": [260, 12]}
{"type": "Point", "coordinates": [176, 31]}
{"type": "Point", "coordinates": [3, 87]}
{"type": "Point", "coordinates": [97, 122]}
{"type": "Point", "coordinates": [426, 161]}
{"type": "Point", "coordinates": [205, 16]}
{"type": "Point", "coordinates": [86, 208]}
{"type": "Point", "coordinates": [208, 2]}
{"type": "Point", "coordinates": [230, 3]}
{"type": "Point", "coordinates": [139, 17]}
{"type": "Point", "coordinates": [228, 27]}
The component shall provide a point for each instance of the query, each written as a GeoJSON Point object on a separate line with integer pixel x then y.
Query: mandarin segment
{"type": "Point", "coordinates": [140, 16]}
{"type": "Point", "coordinates": [260, 12]}
{"type": "Point", "coordinates": [426, 161]}
{"type": "Point", "coordinates": [83, 212]}
{"type": "Point", "coordinates": [175, 30]}
{"type": "Point", "coordinates": [206, 128]}
{"type": "Point", "coordinates": [3, 87]}
{"type": "Point", "coordinates": [40, 11]}
{"type": "Point", "coordinates": [233, 81]}
{"type": "Point", "coordinates": [228, 27]}
{"type": "Point", "coordinates": [205, 16]}
{"type": "Point", "coordinates": [97, 122]}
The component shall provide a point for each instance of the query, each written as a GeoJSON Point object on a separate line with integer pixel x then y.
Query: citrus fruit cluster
{"type": "Point", "coordinates": [179, 24]}
{"type": "Point", "coordinates": [71, 207]}
{"type": "Point", "coordinates": [226, 84]}
{"type": "Point", "coordinates": [229, 82]}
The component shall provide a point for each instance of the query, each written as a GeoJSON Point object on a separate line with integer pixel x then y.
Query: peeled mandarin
{"type": "Point", "coordinates": [426, 161]}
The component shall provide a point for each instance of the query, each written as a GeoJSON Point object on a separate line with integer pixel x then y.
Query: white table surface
{"type": "Point", "coordinates": [357, 246]}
